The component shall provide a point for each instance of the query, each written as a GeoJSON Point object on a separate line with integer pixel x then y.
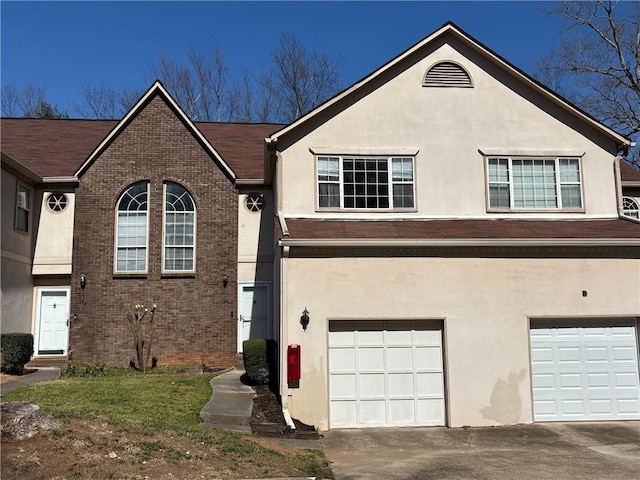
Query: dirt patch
{"type": "Point", "coordinates": [93, 449]}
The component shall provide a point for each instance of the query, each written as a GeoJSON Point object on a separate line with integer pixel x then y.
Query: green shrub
{"type": "Point", "coordinates": [89, 370]}
{"type": "Point", "coordinates": [259, 357]}
{"type": "Point", "coordinates": [17, 349]}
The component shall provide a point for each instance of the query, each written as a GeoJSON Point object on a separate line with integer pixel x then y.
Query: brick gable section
{"type": "Point", "coordinates": [196, 316]}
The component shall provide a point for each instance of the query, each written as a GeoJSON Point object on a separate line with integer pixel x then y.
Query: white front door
{"type": "Point", "coordinates": [53, 322]}
{"type": "Point", "coordinates": [385, 373]}
{"type": "Point", "coordinates": [254, 313]}
{"type": "Point", "coordinates": [585, 370]}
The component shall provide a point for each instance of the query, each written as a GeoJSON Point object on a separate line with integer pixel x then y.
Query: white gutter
{"type": "Point", "coordinates": [461, 242]}
{"type": "Point", "coordinates": [71, 179]}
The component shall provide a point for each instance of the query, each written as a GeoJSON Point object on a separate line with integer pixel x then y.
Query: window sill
{"type": "Point", "coordinates": [367, 210]}
{"type": "Point", "coordinates": [178, 275]}
{"type": "Point", "coordinates": [132, 275]}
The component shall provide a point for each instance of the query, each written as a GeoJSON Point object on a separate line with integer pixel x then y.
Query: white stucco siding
{"type": "Point", "coordinates": [54, 244]}
{"type": "Point", "coordinates": [484, 304]}
{"type": "Point", "coordinates": [255, 238]}
{"type": "Point", "coordinates": [447, 126]}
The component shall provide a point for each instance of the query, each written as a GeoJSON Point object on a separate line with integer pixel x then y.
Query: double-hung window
{"type": "Point", "coordinates": [179, 229]}
{"type": "Point", "coordinates": [365, 182]}
{"type": "Point", "coordinates": [23, 208]}
{"type": "Point", "coordinates": [131, 229]}
{"type": "Point", "coordinates": [534, 183]}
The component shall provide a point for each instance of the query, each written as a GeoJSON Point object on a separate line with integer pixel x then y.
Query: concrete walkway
{"type": "Point", "coordinates": [230, 405]}
{"type": "Point", "coordinates": [43, 374]}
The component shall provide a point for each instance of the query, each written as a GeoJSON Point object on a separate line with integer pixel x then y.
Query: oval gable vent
{"type": "Point", "coordinates": [447, 74]}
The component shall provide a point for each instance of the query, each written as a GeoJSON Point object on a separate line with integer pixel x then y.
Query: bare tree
{"type": "Point", "coordinates": [22, 102]}
{"type": "Point", "coordinates": [596, 63]}
{"type": "Point", "coordinates": [299, 80]}
{"type": "Point", "coordinates": [200, 86]}
{"type": "Point", "coordinates": [103, 102]}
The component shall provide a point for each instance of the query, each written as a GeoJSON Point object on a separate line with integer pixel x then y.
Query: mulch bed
{"type": "Point", "coordinates": [267, 419]}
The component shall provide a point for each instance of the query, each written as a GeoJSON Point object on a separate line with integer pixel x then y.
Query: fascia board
{"type": "Point", "coordinates": [486, 52]}
{"type": "Point", "coordinates": [20, 168]}
{"type": "Point", "coordinates": [462, 242]}
{"type": "Point", "coordinates": [156, 87]}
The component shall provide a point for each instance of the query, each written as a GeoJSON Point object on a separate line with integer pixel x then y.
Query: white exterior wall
{"type": "Point", "coordinates": [255, 239]}
{"type": "Point", "coordinates": [447, 126]}
{"type": "Point", "coordinates": [54, 245]}
{"type": "Point", "coordinates": [485, 305]}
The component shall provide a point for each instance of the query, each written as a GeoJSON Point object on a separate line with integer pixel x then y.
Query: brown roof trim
{"type": "Point", "coordinates": [461, 232]}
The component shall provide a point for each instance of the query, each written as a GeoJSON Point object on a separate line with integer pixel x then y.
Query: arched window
{"type": "Point", "coordinates": [179, 229]}
{"type": "Point", "coordinates": [131, 229]}
{"type": "Point", "coordinates": [630, 207]}
{"type": "Point", "coordinates": [447, 74]}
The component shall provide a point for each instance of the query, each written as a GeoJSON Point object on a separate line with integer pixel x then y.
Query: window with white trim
{"type": "Point", "coordinates": [179, 229]}
{"type": "Point", "coordinates": [23, 208]}
{"type": "Point", "coordinates": [365, 182]}
{"type": "Point", "coordinates": [631, 207]}
{"type": "Point", "coordinates": [131, 229]}
{"type": "Point", "coordinates": [534, 183]}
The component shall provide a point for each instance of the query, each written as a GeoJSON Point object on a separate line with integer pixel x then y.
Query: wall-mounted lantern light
{"type": "Point", "coordinates": [83, 281]}
{"type": "Point", "coordinates": [304, 319]}
{"type": "Point", "coordinates": [225, 281]}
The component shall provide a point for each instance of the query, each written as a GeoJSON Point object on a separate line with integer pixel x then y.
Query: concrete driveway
{"type": "Point", "coordinates": [558, 451]}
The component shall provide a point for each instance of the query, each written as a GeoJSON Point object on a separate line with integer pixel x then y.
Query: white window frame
{"type": "Point", "coordinates": [558, 183]}
{"type": "Point", "coordinates": [164, 227]}
{"type": "Point", "coordinates": [146, 245]}
{"type": "Point", "coordinates": [631, 207]}
{"type": "Point", "coordinates": [26, 208]}
{"type": "Point", "coordinates": [390, 182]}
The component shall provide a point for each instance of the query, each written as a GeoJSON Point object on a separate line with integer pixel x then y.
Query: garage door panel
{"type": "Point", "coordinates": [372, 412]}
{"type": "Point", "coordinates": [392, 377]}
{"type": "Point", "coordinates": [430, 383]}
{"type": "Point", "coordinates": [343, 386]}
{"type": "Point", "coordinates": [624, 354]}
{"type": "Point", "coordinates": [400, 385]}
{"type": "Point", "coordinates": [343, 360]}
{"type": "Point", "coordinates": [371, 385]}
{"type": "Point", "coordinates": [344, 412]}
{"type": "Point", "coordinates": [402, 412]}
{"type": "Point", "coordinates": [399, 359]}
{"type": "Point", "coordinates": [427, 358]}
{"type": "Point", "coordinates": [430, 408]}
{"type": "Point", "coordinates": [585, 370]}
{"type": "Point", "coordinates": [371, 359]}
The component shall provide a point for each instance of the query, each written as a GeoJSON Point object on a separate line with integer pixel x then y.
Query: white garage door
{"type": "Point", "coordinates": [385, 373]}
{"type": "Point", "coordinates": [585, 370]}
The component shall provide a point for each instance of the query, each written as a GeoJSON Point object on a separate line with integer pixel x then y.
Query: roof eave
{"type": "Point", "coordinates": [459, 242]}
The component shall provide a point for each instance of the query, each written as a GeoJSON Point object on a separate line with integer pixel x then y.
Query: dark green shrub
{"type": "Point", "coordinates": [88, 370]}
{"type": "Point", "coordinates": [259, 357]}
{"type": "Point", "coordinates": [17, 349]}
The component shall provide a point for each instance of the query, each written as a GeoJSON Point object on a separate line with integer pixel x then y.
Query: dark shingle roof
{"type": "Point", "coordinates": [54, 148]}
{"type": "Point", "coordinates": [629, 173]}
{"type": "Point", "coordinates": [461, 229]}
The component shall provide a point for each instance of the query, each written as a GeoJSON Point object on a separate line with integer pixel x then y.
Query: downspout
{"type": "Point", "coordinates": [284, 292]}
{"type": "Point", "coordinates": [284, 335]}
{"type": "Point", "coordinates": [618, 178]}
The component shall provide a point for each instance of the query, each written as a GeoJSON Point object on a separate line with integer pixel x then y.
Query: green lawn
{"type": "Point", "coordinates": [152, 421]}
{"type": "Point", "coordinates": [125, 397]}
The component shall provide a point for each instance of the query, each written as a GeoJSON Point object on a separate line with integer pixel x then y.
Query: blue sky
{"type": "Point", "coordinates": [64, 46]}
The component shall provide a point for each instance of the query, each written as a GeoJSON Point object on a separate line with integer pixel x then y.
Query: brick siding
{"type": "Point", "coordinates": [195, 319]}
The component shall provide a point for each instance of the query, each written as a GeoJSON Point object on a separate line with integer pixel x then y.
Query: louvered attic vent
{"type": "Point", "coordinates": [447, 74]}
